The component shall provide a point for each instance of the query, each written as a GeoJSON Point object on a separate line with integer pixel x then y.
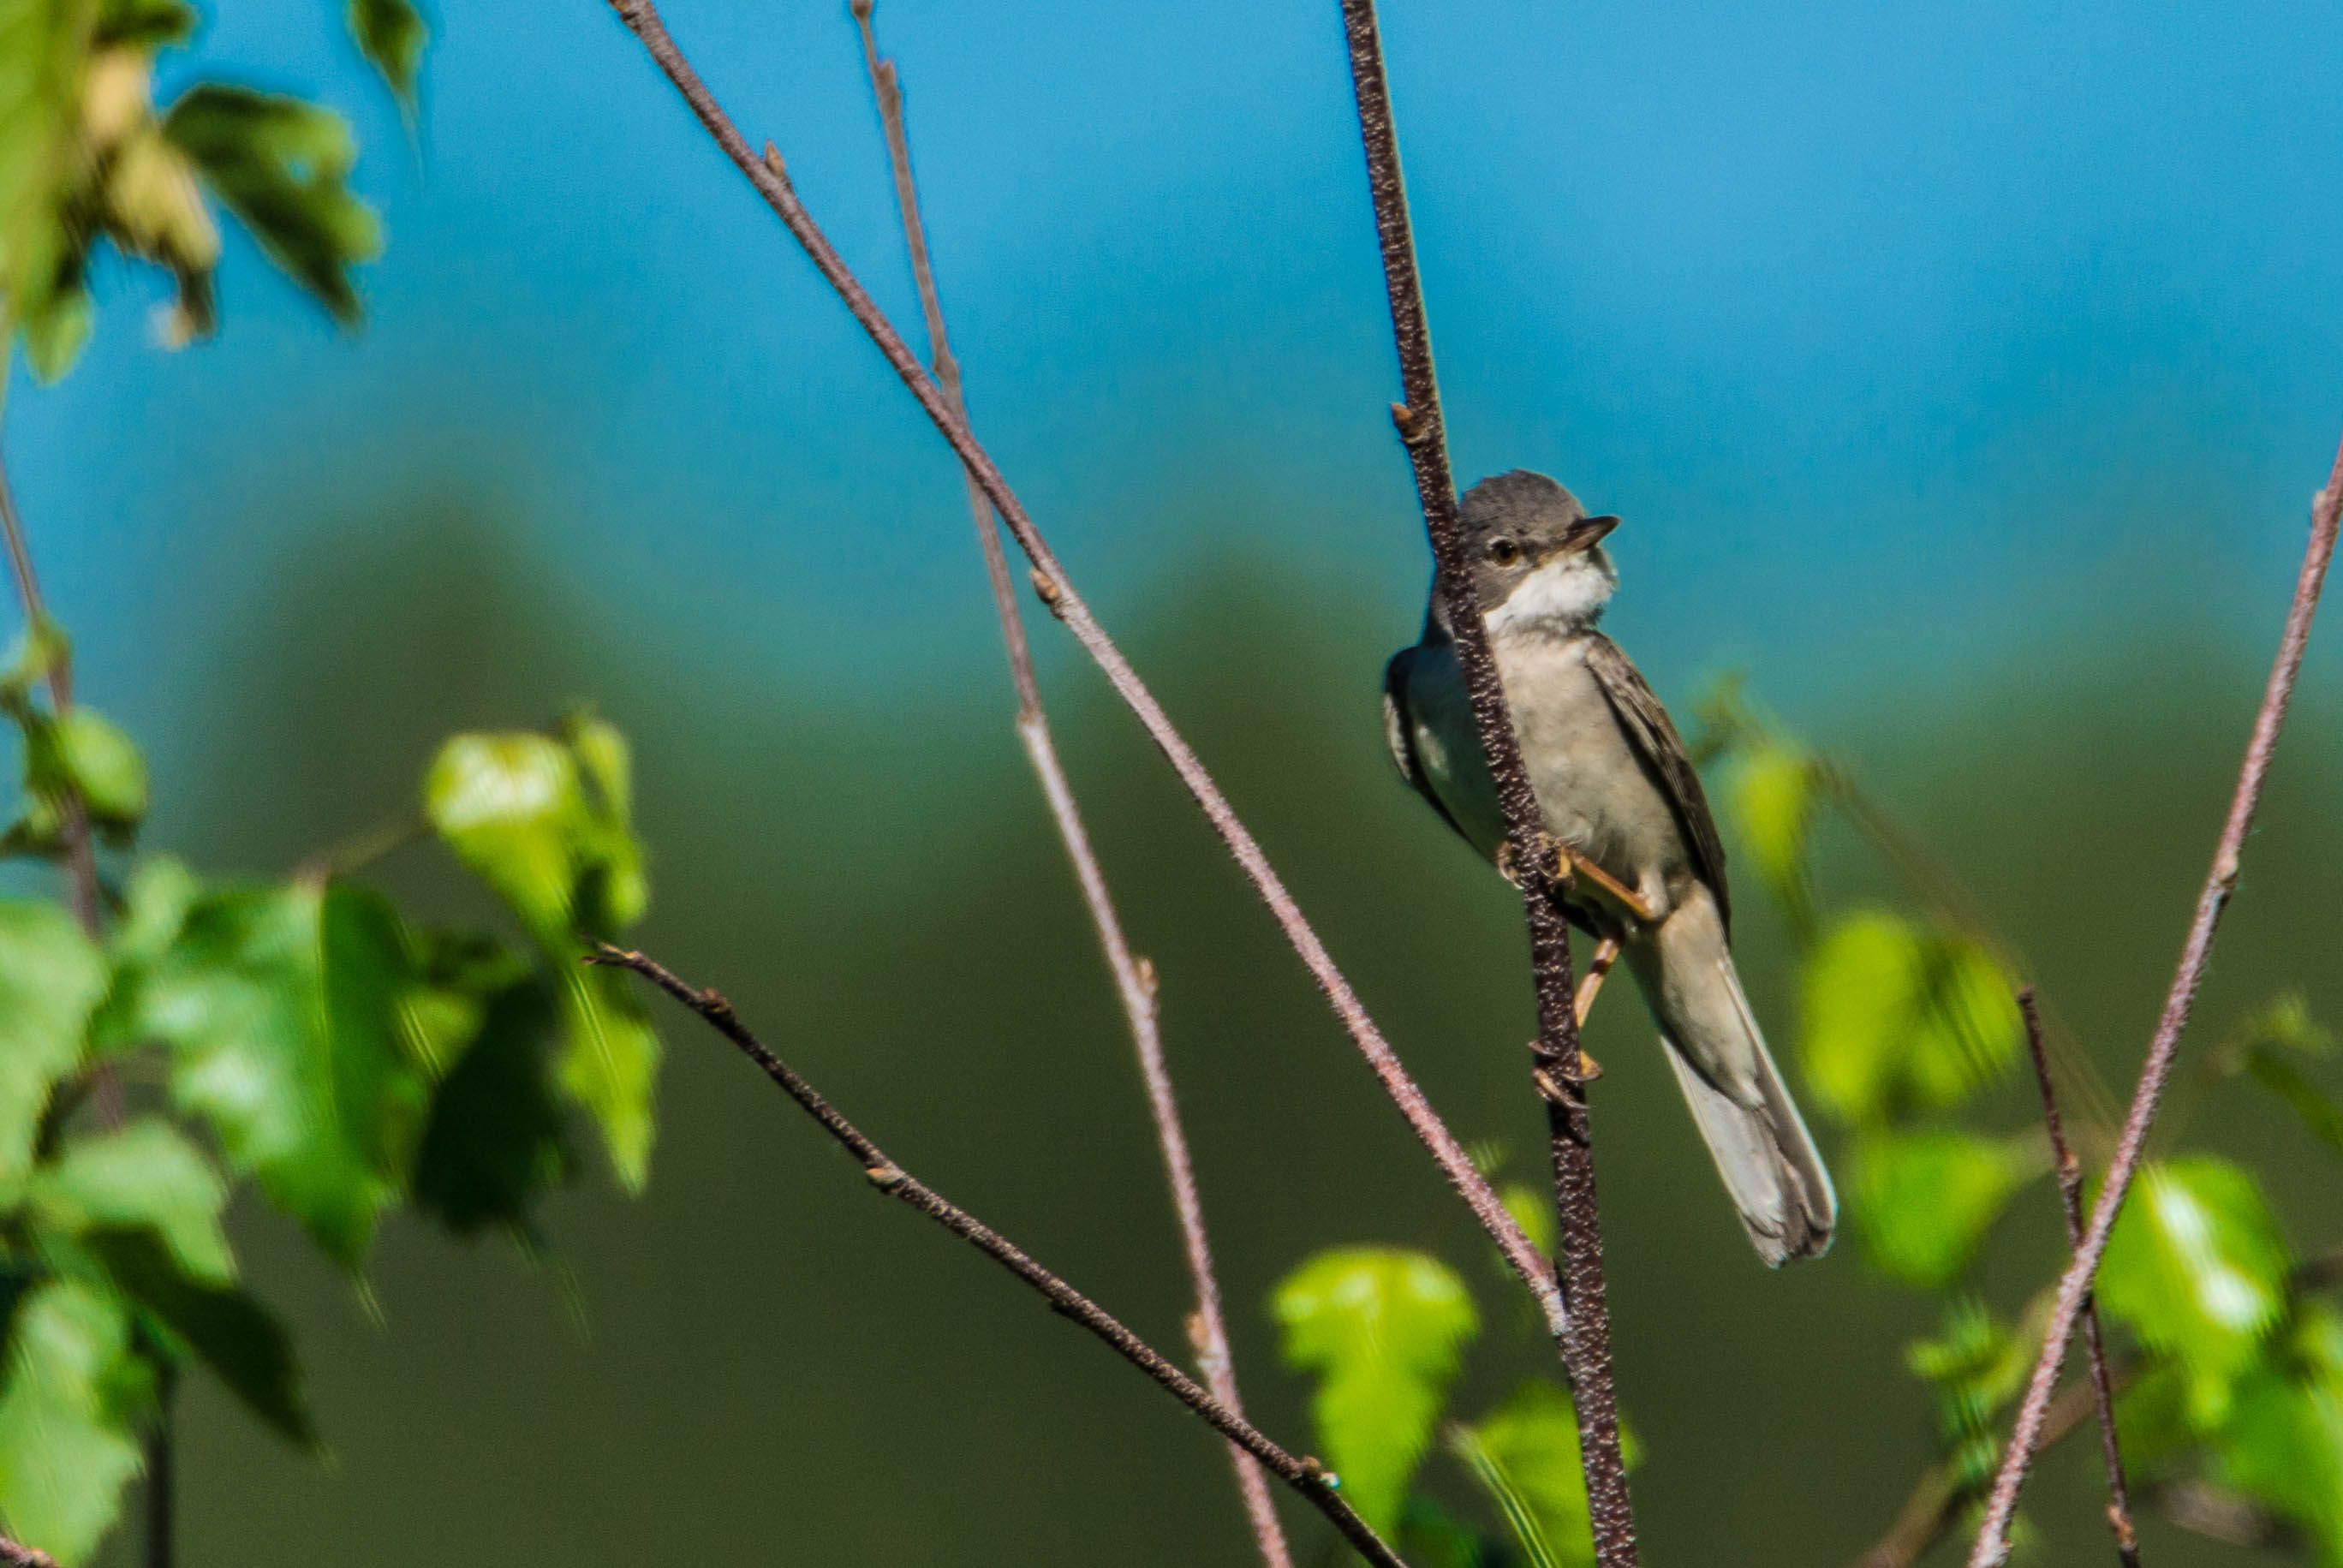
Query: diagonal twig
{"type": "Point", "coordinates": [15, 1554]}
{"type": "Point", "coordinates": [2071, 1195]}
{"type": "Point", "coordinates": [1134, 978]}
{"type": "Point", "coordinates": [1992, 1547]}
{"type": "Point", "coordinates": [642, 18]}
{"type": "Point", "coordinates": [1559, 1070]}
{"type": "Point", "coordinates": [1305, 1476]}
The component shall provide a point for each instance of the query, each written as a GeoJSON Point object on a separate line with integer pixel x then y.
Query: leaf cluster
{"type": "Point", "coordinates": [304, 1035]}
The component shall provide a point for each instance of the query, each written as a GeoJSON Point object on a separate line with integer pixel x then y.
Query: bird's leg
{"type": "Point", "coordinates": [1606, 953]}
{"type": "Point", "coordinates": [1565, 865]}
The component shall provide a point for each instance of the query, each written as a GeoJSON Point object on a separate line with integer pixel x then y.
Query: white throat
{"type": "Point", "coordinates": [1561, 598]}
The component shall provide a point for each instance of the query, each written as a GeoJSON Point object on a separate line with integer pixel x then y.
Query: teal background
{"type": "Point", "coordinates": [1962, 377]}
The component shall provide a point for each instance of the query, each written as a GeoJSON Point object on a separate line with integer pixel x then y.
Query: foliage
{"type": "Point", "coordinates": [304, 1034]}
{"type": "Point", "coordinates": [88, 158]}
{"type": "Point", "coordinates": [2234, 1370]}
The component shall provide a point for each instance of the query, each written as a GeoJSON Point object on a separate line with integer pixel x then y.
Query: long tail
{"type": "Point", "coordinates": [1743, 1108]}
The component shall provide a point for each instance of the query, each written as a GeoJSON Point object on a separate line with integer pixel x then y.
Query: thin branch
{"type": "Point", "coordinates": [1992, 1547]}
{"type": "Point", "coordinates": [1135, 980]}
{"type": "Point", "coordinates": [1305, 1476]}
{"type": "Point", "coordinates": [1560, 1068]}
{"type": "Point", "coordinates": [1057, 590]}
{"type": "Point", "coordinates": [2071, 1195]}
{"type": "Point", "coordinates": [1934, 1507]}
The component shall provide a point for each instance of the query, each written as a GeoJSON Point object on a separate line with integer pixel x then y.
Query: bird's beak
{"type": "Point", "coordinates": [1584, 535]}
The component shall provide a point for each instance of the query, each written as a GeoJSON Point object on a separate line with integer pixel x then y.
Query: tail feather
{"type": "Point", "coordinates": [1744, 1111]}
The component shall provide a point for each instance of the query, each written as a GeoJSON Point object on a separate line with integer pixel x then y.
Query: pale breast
{"type": "Point", "coordinates": [1592, 787]}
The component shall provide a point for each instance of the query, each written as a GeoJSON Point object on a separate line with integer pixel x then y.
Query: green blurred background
{"type": "Point", "coordinates": [1961, 377]}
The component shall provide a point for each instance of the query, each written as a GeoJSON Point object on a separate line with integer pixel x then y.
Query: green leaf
{"type": "Point", "coordinates": [66, 1412]}
{"type": "Point", "coordinates": [518, 811]}
{"type": "Point", "coordinates": [495, 1143]}
{"type": "Point", "coordinates": [1525, 1455]}
{"type": "Point", "coordinates": [146, 1174]}
{"type": "Point", "coordinates": [281, 165]}
{"type": "Point", "coordinates": [1533, 1211]}
{"type": "Point", "coordinates": [83, 753]}
{"type": "Point", "coordinates": [51, 979]}
{"type": "Point", "coordinates": [147, 23]}
{"type": "Point", "coordinates": [43, 53]}
{"type": "Point", "coordinates": [1902, 1016]}
{"type": "Point", "coordinates": [1923, 1201]}
{"type": "Point", "coordinates": [1382, 1328]}
{"type": "Point", "coordinates": [1772, 789]}
{"type": "Point", "coordinates": [1976, 1366]}
{"type": "Point", "coordinates": [215, 1323]}
{"type": "Point", "coordinates": [391, 34]}
{"type": "Point", "coordinates": [285, 1011]}
{"type": "Point", "coordinates": [2198, 1268]}
{"type": "Point", "coordinates": [2283, 1443]}
{"type": "Point", "coordinates": [1430, 1537]}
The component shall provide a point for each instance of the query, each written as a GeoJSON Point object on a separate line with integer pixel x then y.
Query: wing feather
{"type": "Point", "coordinates": [1399, 734]}
{"type": "Point", "coordinates": [1654, 737]}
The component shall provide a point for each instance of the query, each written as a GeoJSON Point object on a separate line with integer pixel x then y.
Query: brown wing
{"type": "Point", "coordinates": [1654, 735]}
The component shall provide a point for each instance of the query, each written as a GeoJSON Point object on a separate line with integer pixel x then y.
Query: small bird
{"type": "Point", "coordinates": [1628, 822]}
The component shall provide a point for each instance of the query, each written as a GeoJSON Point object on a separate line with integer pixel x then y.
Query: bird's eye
{"type": "Point", "coordinates": [1504, 552]}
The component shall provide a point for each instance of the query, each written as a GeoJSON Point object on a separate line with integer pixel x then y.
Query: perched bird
{"type": "Point", "coordinates": [1628, 818]}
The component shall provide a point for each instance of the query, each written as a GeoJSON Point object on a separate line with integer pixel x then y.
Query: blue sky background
{"type": "Point", "coordinates": [1898, 335]}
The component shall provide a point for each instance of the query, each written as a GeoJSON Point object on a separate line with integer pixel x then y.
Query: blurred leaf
{"type": "Point", "coordinates": [1923, 1201]}
{"type": "Point", "coordinates": [1429, 1537]}
{"type": "Point", "coordinates": [1526, 1454]}
{"type": "Point", "coordinates": [2198, 1268]}
{"type": "Point", "coordinates": [495, 1141]}
{"type": "Point", "coordinates": [2283, 1443]}
{"type": "Point", "coordinates": [2152, 1416]}
{"type": "Point", "coordinates": [51, 977]}
{"type": "Point", "coordinates": [284, 1010]}
{"type": "Point", "coordinates": [2265, 1048]}
{"type": "Point", "coordinates": [1773, 795]}
{"type": "Point", "coordinates": [66, 1412]}
{"type": "Point", "coordinates": [391, 34]}
{"type": "Point", "coordinates": [147, 23]}
{"type": "Point", "coordinates": [1976, 1367]}
{"type": "Point", "coordinates": [44, 50]}
{"type": "Point", "coordinates": [154, 905]}
{"type": "Point", "coordinates": [1533, 1211]}
{"type": "Point", "coordinates": [1901, 1017]}
{"type": "Point", "coordinates": [146, 1174]}
{"type": "Point", "coordinates": [82, 752]}
{"type": "Point", "coordinates": [280, 165]}
{"type": "Point", "coordinates": [2318, 1110]}
{"type": "Point", "coordinates": [212, 1320]}
{"type": "Point", "coordinates": [1382, 1328]}
{"type": "Point", "coordinates": [516, 810]}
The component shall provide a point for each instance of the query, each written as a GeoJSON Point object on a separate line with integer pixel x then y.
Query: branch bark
{"type": "Point", "coordinates": [1559, 1066]}
{"type": "Point", "coordinates": [1305, 1476]}
{"type": "Point", "coordinates": [1050, 579]}
{"type": "Point", "coordinates": [1134, 978]}
{"type": "Point", "coordinates": [2069, 1171]}
{"type": "Point", "coordinates": [1992, 1547]}
{"type": "Point", "coordinates": [15, 1554]}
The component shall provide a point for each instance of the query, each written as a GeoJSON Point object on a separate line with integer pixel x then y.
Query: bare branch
{"type": "Point", "coordinates": [1049, 580]}
{"type": "Point", "coordinates": [1992, 1547]}
{"type": "Point", "coordinates": [1305, 1476]}
{"type": "Point", "coordinates": [1135, 981]}
{"type": "Point", "coordinates": [1559, 1070]}
{"type": "Point", "coordinates": [2070, 1194]}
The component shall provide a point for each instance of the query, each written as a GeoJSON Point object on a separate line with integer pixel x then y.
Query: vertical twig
{"type": "Point", "coordinates": [1049, 580]}
{"type": "Point", "coordinates": [1134, 978]}
{"type": "Point", "coordinates": [2071, 1196]}
{"type": "Point", "coordinates": [1305, 1476]}
{"type": "Point", "coordinates": [1992, 1547]}
{"type": "Point", "coordinates": [88, 907]}
{"type": "Point", "coordinates": [1558, 1073]}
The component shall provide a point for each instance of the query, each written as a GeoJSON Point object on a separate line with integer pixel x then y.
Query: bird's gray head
{"type": "Point", "coordinates": [1537, 559]}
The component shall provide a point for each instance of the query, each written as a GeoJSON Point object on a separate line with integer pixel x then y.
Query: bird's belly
{"type": "Point", "coordinates": [1593, 791]}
